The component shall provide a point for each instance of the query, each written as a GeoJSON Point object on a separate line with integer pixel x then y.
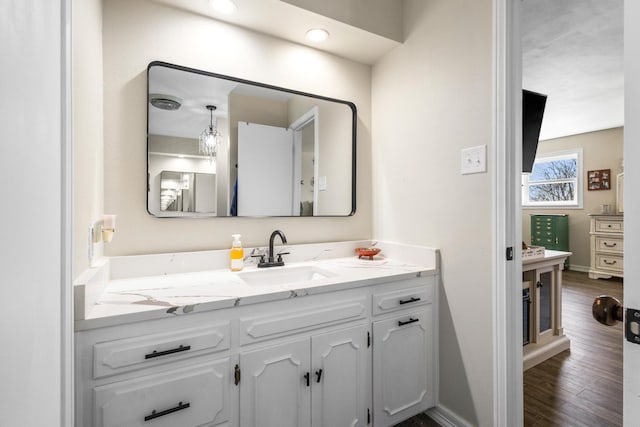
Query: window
{"type": "Point", "coordinates": [555, 181]}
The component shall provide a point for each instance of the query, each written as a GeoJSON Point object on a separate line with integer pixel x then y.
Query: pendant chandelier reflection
{"type": "Point", "coordinates": [209, 137]}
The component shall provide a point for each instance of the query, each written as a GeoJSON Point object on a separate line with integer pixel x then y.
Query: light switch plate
{"type": "Point", "coordinates": [322, 183]}
{"type": "Point", "coordinates": [473, 160]}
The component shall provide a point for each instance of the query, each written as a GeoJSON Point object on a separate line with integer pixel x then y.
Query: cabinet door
{"type": "Point", "coordinates": [339, 366]}
{"type": "Point", "coordinates": [545, 311]}
{"type": "Point", "coordinates": [273, 386]}
{"type": "Point", "coordinates": [402, 367]}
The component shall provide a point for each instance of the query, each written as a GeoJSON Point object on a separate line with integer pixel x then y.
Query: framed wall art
{"type": "Point", "coordinates": [599, 179]}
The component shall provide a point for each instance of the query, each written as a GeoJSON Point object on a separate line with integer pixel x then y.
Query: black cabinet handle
{"type": "Point", "coordinates": [608, 245]}
{"type": "Point", "coordinates": [236, 375]}
{"type": "Point", "coordinates": [156, 353]}
{"type": "Point", "coordinates": [539, 285]}
{"type": "Point", "coordinates": [318, 375]}
{"type": "Point", "coordinates": [155, 414]}
{"type": "Point", "coordinates": [411, 320]}
{"type": "Point", "coordinates": [609, 262]}
{"type": "Point", "coordinates": [410, 300]}
{"type": "Point", "coordinates": [306, 378]}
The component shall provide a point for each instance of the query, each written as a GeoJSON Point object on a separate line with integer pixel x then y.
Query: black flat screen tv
{"type": "Point", "coordinates": [533, 104]}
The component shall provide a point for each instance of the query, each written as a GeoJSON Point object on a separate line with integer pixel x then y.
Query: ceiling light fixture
{"type": "Point", "coordinates": [209, 137]}
{"type": "Point", "coordinates": [226, 7]}
{"type": "Point", "coordinates": [317, 35]}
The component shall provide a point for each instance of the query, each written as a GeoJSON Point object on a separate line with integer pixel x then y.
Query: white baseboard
{"type": "Point", "coordinates": [580, 268]}
{"type": "Point", "coordinates": [447, 418]}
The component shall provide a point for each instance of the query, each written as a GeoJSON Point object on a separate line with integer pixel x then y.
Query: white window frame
{"type": "Point", "coordinates": [546, 157]}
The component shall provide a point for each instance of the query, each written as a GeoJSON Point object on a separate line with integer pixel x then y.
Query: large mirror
{"type": "Point", "coordinates": [221, 146]}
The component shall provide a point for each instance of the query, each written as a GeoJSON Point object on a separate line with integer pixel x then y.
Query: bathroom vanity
{"type": "Point", "coordinates": [330, 341]}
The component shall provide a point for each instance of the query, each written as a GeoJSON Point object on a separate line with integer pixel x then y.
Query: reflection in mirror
{"type": "Point", "coordinates": [187, 192]}
{"type": "Point", "coordinates": [220, 146]}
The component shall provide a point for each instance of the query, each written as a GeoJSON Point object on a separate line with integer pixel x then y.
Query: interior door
{"type": "Point", "coordinates": [631, 203]}
{"type": "Point", "coordinates": [265, 170]}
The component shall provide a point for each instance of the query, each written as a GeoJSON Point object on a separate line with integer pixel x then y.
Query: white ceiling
{"type": "Point", "coordinates": [573, 53]}
{"type": "Point", "coordinates": [291, 22]}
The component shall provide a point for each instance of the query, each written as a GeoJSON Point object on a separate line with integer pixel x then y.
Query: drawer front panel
{"type": "Point", "coordinates": [184, 397]}
{"type": "Point", "coordinates": [609, 226]}
{"type": "Point", "coordinates": [267, 327]}
{"type": "Point", "coordinates": [114, 357]}
{"type": "Point", "coordinates": [609, 244]}
{"type": "Point", "coordinates": [386, 302]}
{"type": "Point", "coordinates": [609, 262]}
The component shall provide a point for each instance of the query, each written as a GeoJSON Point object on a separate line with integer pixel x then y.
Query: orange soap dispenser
{"type": "Point", "coordinates": [237, 253]}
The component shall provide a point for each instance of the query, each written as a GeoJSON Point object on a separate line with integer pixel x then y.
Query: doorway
{"type": "Point", "coordinates": [512, 12]}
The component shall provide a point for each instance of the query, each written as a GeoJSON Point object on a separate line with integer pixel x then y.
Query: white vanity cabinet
{"type": "Point", "coordinates": [167, 372]}
{"type": "Point", "coordinates": [403, 355]}
{"type": "Point", "coordinates": [361, 356]}
{"type": "Point", "coordinates": [319, 381]}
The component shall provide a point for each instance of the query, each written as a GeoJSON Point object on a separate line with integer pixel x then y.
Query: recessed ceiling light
{"type": "Point", "coordinates": [317, 35]}
{"type": "Point", "coordinates": [226, 7]}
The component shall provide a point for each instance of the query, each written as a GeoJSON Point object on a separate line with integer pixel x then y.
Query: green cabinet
{"type": "Point", "coordinates": [552, 232]}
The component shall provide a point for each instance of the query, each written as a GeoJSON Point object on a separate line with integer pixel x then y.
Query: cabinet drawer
{"type": "Point", "coordinates": [609, 226]}
{"type": "Point", "coordinates": [385, 302]}
{"type": "Point", "coordinates": [193, 396]}
{"type": "Point", "coordinates": [609, 262]}
{"type": "Point", "coordinates": [543, 241]}
{"type": "Point", "coordinates": [293, 321]}
{"type": "Point", "coordinates": [609, 244]}
{"type": "Point", "coordinates": [114, 357]}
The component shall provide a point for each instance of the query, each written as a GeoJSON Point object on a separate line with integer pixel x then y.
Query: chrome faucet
{"type": "Point", "coordinates": [271, 261]}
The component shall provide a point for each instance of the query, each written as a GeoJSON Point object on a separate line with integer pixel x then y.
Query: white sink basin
{"type": "Point", "coordinates": [283, 275]}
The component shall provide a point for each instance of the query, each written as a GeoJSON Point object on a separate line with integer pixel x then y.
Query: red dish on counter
{"type": "Point", "coordinates": [367, 252]}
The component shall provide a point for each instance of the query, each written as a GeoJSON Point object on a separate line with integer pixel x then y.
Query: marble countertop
{"type": "Point", "coordinates": [154, 296]}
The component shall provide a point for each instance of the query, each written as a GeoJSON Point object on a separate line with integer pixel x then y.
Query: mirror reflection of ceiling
{"type": "Point", "coordinates": [573, 52]}
{"type": "Point", "coordinates": [194, 91]}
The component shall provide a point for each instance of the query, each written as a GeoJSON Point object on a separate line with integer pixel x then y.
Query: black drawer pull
{"type": "Point", "coordinates": [411, 320]}
{"type": "Point", "coordinates": [318, 375]}
{"type": "Point", "coordinates": [236, 375]}
{"type": "Point", "coordinates": [156, 353]}
{"type": "Point", "coordinates": [608, 245]}
{"type": "Point", "coordinates": [306, 378]}
{"type": "Point", "coordinates": [155, 414]}
{"type": "Point", "coordinates": [410, 300]}
{"type": "Point", "coordinates": [609, 262]}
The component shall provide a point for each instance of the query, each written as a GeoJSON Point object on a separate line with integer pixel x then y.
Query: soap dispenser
{"type": "Point", "coordinates": [237, 253]}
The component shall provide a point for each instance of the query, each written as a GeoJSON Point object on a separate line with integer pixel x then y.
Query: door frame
{"type": "Point", "coordinates": [507, 124]}
{"type": "Point", "coordinates": [311, 116]}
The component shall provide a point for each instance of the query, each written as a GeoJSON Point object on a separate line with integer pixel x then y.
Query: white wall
{"type": "Point", "coordinates": [432, 96]}
{"type": "Point", "coordinates": [138, 32]}
{"type": "Point", "coordinates": [31, 261]}
{"type": "Point", "coordinates": [87, 126]}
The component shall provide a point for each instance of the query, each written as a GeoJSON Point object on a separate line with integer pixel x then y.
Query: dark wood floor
{"type": "Point", "coordinates": [581, 386]}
